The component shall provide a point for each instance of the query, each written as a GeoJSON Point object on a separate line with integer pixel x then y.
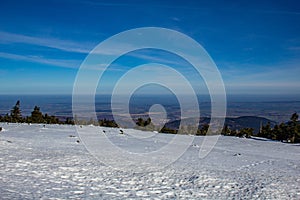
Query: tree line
{"type": "Point", "coordinates": [289, 131]}
{"type": "Point", "coordinates": [37, 116]}
{"type": "Point", "coordinates": [285, 132]}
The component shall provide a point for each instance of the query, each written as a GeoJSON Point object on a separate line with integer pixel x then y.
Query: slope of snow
{"type": "Point", "coordinates": [52, 163]}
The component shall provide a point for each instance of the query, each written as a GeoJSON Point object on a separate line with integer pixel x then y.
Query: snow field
{"type": "Point", "coordinates": [39, 162]}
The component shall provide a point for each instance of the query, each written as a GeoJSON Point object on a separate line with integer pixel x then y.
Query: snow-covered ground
{"type": "Point", "coordinates": [51, 162]}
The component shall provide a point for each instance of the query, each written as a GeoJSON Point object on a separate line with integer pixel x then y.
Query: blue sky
{"type": "Point", "coordinates": [255, 44]}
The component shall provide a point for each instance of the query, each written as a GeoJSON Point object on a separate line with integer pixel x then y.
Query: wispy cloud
{"type": "Point", "coordinates": [66, 63]}
{"type": "Point", "coordinates": [63, 45]}
{"type": "Point", "coordinates": [174, 62]}
{"type": "Point", "coordinates": [158, 59]}
{"type": "Point", "coordinates": [42, 60]}
{"type": "Point", "coordinates": [176, 19]}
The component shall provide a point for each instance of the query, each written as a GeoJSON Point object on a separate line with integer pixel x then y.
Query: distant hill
{"type": "Point", "coordinates": [234, 123]}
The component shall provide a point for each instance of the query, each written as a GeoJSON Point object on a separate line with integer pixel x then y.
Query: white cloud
{"type": "Point", "coordinates": [42, 60]}
{"type": "Point", "coordinates": [63, 45]}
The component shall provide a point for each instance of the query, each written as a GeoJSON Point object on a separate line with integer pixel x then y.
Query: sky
{"type": "Point", "coordinates": [255, 44]}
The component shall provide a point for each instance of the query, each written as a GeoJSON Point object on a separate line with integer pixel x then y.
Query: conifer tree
{"type": "Point", "coordinates": [294, 117]}
{"type": "Point", "coordinates": [15, 113]}
{"type": "Point", "coordinates": [245, 132]}
{"type": "Point", "coordinates": [293, 128]}
{"type": "Point", "coordinates": [226, 130]}
{"type": "Point", "coordinates": [36, 115]}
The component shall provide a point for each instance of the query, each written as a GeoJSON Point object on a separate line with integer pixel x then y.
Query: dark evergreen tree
{"type": "Point", "coordinates": [293, 128]}
{"type": "Point", "coordinates": [51, 119]}
{"type": "Point", "coordinates": [15, 113]}
{"type": "Point", "coordinates": [283, 131]}
{"type": "Point", "coordinates": [233, 133]}
{"type": "Point", "coordinates": [69, 121]}
{"type": "Point", "coordinates": [203, 130]}
{"type": "Point", "coordinates": [37, 115]}
{"type": "Point", "coordinates": [277, 133]}
{"type": "Point", "coordinates": [168, 130]}
{"type": "Point", "coordinates": [297, 133]}
{"type": "Point", "coordinates": [266, 131]}
{"type": "Point", "coordinates": [226, 130]}
{"type": "Point", "coordinates": [294, 118]}
{"type": "Point", "coordinates": [7, 118]}
{"type": "Point", "coordinates": [141, 122]}
{"type": "Point", "coordinates": [107, 123]}
{"type": "Point", "coordinates": [245, 132]}
{"type": "Point", "coordinates": [145, 125]}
